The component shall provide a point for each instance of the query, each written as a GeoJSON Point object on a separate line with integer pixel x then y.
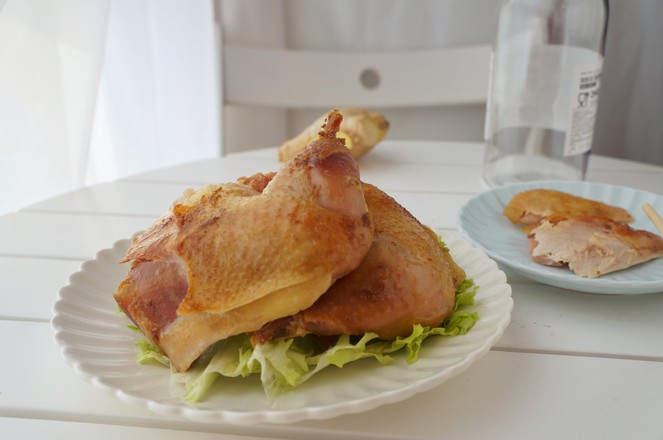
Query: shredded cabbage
{"type": "Point", "coordinates": [286, 364]}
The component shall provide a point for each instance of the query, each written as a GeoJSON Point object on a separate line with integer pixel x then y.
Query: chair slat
{"type": "Point", "coordinates": [306, 79]}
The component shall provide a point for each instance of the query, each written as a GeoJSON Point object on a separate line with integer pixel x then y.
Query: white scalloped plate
{"type": "Point", "coordinates": [481, 221]}
{"type": "Point", "coordinates": [95, 341]}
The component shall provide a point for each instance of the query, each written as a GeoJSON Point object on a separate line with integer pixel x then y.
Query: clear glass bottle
{"type": "Point", "coordinates": [544, 88]}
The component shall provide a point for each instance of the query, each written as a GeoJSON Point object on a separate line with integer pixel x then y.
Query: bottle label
{"type": "Point", "coordinates": [583, 104]}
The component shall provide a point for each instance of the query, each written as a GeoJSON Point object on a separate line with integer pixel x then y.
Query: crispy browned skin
{"type": "Point", "coordinates": [592, 246]}
{"type": "Point", "coordinates": [228, 258]}
{"type": "Point", "coordinates": [530, 207]}
{"type": "Point", "coordinates": [405, 279]}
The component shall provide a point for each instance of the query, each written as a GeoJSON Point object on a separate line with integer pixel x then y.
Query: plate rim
{"type": "Point", "coordinates": [279, 416]}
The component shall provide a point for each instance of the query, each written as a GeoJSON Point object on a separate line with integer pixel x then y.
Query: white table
{"type": "Point", "coordinates": [570, 365]}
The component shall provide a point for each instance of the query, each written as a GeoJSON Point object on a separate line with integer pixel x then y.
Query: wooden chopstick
{"type": "Point", "coordinates": [653, 216]}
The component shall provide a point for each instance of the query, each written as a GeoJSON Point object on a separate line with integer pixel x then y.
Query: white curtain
{"type": "Point", "coordinates": [50, 59]}
{"type": "Point", "coordinates": [159, 90]}
{"type": "Point", "coordinates": [91, 91]}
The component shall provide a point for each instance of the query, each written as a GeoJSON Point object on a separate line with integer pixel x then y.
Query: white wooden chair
{"type": "Point", "coordinates": [259, 83]}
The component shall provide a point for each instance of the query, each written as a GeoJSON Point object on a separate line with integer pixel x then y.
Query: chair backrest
{"type": "Point", "coordinates": [259, 82]}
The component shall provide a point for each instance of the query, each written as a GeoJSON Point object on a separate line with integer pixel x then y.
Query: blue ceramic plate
{"type": "Point", "coordinates": [481, 221]}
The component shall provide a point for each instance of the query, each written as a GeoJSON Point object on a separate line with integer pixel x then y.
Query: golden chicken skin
{"type": "Point", "coordinates": [406, 278]}
{"type": "Point", "coordinates": [227, 258]}
{"type": "Point", "coordinates": [527, 208]}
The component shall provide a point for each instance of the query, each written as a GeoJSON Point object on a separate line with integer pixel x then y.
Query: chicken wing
{"type": "Point", "coordinates": [406, 278]}
{"type": "Point", "coordinates": [592, 246]}
{"type": "Point", "coordinates": [228, 258]}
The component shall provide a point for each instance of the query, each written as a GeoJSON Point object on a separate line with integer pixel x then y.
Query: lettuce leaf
{"type": "Point", "coordinates": [149, 352]}
{"type": "Point", "coordinates": [286, 364]}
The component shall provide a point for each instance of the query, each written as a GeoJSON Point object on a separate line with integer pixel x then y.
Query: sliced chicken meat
{"type": "Point", "coordinates": [592, 246]}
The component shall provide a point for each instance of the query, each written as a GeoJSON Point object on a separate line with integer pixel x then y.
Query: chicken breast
{"type": "Point", "coordinates": [592, 246]}
{"type": "Point", "coordinates": [528, 208]}
{"type": "Point", "coordinates": [227, 258]}
{"type": "Point", "coordinates": [406, 278]}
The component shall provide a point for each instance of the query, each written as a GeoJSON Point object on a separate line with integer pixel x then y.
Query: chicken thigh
{"type": "Point", "coordinates": [227, 258]}
{"type": "Point", "coordinates": [406, 278]}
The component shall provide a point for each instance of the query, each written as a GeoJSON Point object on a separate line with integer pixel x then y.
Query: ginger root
{"type": "Point", "coordinates": [361, 129]}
